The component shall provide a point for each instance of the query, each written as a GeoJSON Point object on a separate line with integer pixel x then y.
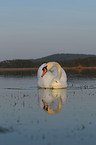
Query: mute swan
{"type": "Point", "coordinates": [51, 75]}
{"type": "Point", "coordinates": [52, 100]}
{"type": "Point", "coordinates": [49, 109]}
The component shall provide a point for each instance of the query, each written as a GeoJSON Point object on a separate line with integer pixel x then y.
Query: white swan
{"type": "Point", "coordinates": [52, 100]}
{"type": "Point", "coordinates": [51, 75]}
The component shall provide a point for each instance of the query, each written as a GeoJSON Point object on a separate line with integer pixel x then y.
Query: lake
{"type": "Point", "coordinates": [32, 116]}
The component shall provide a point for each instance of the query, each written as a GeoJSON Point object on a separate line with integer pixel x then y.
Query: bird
{"type": "Point", "coordinates": [51, 75]}
{"type": "Point", "coordinates": [52, 100]}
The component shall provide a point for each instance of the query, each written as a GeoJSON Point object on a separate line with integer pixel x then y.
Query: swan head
{"type": "Point", "coordinates": [44, 69]}
{"type": "Point", "coordinates": [49, 65]}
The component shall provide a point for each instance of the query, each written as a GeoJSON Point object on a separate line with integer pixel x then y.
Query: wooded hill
{"type": "Point", "coordinates": [66, 60]}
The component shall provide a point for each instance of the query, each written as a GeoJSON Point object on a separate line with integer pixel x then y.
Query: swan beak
{"type": "Point", "coordinates": [44, 71]}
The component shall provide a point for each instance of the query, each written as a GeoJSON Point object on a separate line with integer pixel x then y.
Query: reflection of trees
{"type": "Point", "coordinates": [18, 73]}
{"type": "Point", "coordinates": [51, 100]}
{"type": "Point", "coordinates": [81, 72]}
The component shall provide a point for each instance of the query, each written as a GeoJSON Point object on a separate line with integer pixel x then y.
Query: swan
{"type": "Point", "coordinates": [51, 75]}
{"type": "Point", "coordinates": [52, 100]}
{"type": "Point", "coordinates": [49, 109]}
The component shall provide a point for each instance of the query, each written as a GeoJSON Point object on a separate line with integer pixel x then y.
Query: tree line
{"type": "Point", "coordinates": [22, 63]}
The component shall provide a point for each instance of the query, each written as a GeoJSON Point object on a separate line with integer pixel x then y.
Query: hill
{"type": "Point", "coordinates": [66, 60]}
{"type": "Point", "coordinates": [62, 56]}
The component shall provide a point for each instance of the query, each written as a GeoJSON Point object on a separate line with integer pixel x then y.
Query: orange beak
{"type": "Point", "coordinates": [44, 71]}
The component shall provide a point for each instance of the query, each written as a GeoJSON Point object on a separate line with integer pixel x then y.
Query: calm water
{"type": "Point", "coordinates": [69, 116]}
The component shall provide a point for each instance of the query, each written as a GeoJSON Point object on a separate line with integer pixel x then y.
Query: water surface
{"type": "Point", "coordinates": [29, 116]}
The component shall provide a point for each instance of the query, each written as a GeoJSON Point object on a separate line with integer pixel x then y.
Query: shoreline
{"type": "Point", "coordinates": [35, 69]}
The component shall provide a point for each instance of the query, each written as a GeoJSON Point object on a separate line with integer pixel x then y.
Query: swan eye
{"type": "Point", "coordinates": [44, 68]}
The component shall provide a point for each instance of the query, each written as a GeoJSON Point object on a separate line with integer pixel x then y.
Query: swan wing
{"type": "Point", "coordinates": [60, 83]}
{"type": "Point", "coordinates": [63, 79]}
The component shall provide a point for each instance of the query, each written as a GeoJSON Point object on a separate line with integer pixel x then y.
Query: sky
{"type": "Point", "coordinates": [31, 29]}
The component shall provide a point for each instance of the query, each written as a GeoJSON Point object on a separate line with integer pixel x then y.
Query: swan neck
{"type": "Point", "coordinates": [59, 74]}
{"type": "Point", "coordinates": [59, 69]}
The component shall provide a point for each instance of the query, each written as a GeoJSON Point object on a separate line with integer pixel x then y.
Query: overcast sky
{"type": "Point", "coordinates": [36, 28]}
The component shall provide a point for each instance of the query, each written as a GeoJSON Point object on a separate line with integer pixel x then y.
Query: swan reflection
{"type": "Point", "coordinates": [51, 100]}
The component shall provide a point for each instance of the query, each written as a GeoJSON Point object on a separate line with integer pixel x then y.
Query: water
{"type": "Point", "coordinates": [69, 115]}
